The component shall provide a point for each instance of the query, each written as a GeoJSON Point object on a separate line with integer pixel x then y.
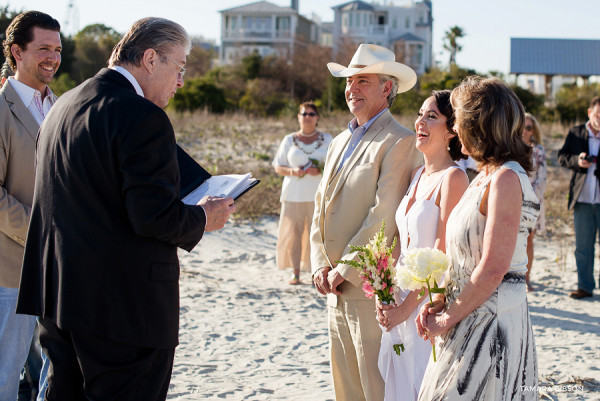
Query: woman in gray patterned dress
{"type": "Point", "coordinates": [484, 335]}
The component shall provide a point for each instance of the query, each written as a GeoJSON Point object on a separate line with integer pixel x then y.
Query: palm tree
{"type": "Point", "coordinates": [451, 44]}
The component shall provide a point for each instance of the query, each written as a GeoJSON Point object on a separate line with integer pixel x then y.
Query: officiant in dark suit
{"type": "Point", "coordinates": [100, 266]}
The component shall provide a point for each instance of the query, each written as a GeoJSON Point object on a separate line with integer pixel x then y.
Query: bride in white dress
{"type": "Point", "coordinates": [435, 189]}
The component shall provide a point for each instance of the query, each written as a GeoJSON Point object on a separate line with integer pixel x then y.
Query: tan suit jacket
{"type": "Point", "coordinates": [349, 208]}
{"type": "Point", "coordinates": [350, 205]}
{"type": "Point", "coordinates": [18, 134]}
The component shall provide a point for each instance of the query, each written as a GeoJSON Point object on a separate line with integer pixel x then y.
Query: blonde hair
{"type": "Point", "coordinates": [490, 119]}
{"type": "Point", "coordinates": [537, 131]}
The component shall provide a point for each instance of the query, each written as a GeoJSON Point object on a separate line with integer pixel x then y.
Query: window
{"type": "Point", "coordinates": [394, 23]}
{"type": "Point", "coordinates": [247, 23]}
{"type": "Point", "coordinates": [231, 22]}
{"type": "Point", "coordinates": [407, 23]}
{"type": "Point", "coordinates": [283, 23]}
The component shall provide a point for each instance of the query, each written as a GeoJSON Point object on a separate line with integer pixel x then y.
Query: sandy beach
{"type": "Point", "coordinates": [247, 335]}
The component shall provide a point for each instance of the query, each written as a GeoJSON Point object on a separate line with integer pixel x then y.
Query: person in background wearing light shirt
{"type": "Point", "coordinates": [579, 154]}
{"type": "Point", "coordinates": [295, 161]}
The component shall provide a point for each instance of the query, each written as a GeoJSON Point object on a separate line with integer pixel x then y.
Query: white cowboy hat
{"type": "Point", "coordinates": [374, 59]}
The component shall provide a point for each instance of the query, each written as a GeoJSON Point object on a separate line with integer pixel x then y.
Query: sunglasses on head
{"type": "Point", "coordinates": [309, 114]}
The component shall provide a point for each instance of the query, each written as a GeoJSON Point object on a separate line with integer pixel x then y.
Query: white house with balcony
{"type": "Point", "coordinates": [406, 30]}
{"type": "Point", "coordinates": [264, 28]}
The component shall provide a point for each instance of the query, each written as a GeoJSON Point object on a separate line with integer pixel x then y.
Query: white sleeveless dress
{"type": "Point", "coordinates": [490, 354]}
{"type": "Point", "coordinates": [417, 228]}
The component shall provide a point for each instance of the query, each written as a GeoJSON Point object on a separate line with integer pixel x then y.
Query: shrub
{"type": "Point", "coordinates": [263, 98]}
{"type": "Point", "coordinates": [200, 93]}
{"type": "Point", "coordinates": [572, 101]}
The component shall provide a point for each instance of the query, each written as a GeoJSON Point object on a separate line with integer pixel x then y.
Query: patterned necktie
{"type": "Point", "coordinates": [37, 98]}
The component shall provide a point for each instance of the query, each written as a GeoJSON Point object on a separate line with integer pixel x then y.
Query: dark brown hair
{"type": "Point", "coordinates": [490, 119]}
{"type": "Point", "coordinates": [308, 105]}
{"type": "Point", "coordinates": [20, 32]}
{"type": "Point", "coordinates": [442, 101]}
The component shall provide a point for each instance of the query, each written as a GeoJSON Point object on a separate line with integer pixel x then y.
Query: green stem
{"type": "Point", "coordinates": [431, 303]}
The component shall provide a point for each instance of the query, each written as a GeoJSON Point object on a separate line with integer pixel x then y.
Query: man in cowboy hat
{"type": "Point", "coordinates": [366, 173]}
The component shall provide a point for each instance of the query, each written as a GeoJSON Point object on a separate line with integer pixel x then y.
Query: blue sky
{"type": "Point", "coordinates": [489, 25]}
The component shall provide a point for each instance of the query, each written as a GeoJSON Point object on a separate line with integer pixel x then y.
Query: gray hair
{"type": "Point", "coordinates": [392, 96]}
{"type": "Point", "coordinates": [159, 34]}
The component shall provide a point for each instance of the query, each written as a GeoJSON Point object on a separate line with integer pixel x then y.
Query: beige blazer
{"type": "Point", "coordinates": [350, 205]}
{"type": "Point", "coordinates": [18, 134]}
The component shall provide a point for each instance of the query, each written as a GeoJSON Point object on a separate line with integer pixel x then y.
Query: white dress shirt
{"type": "Point", "coordinates": [32, 99]}
{"type": "Point", "coordinates": [130, 78]}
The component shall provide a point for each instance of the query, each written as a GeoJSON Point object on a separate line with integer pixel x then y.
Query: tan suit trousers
{"type": "Point", "coordinates": [354, 337]}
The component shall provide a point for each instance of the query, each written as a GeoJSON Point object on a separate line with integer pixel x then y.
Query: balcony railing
{"type": "Point", "coordinates": [255, 34]}
{"type": "Point", "coordinates": [378, 29]}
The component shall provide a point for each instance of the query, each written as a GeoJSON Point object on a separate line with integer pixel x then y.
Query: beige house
{"type": "Point", "coordinates": [264, 28]}
{"type": "Point", "coordinates": [407, 29]}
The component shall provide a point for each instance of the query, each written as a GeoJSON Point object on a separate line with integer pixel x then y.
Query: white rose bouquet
{"type": "Point", "coordinates": [421, 266]}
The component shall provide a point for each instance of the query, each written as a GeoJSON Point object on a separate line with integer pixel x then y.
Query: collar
{"type": "Point", "coordinates": [591, 132]}
{"type": "Point", "coordinates": [25, 92]}
{"type": "Point", "coordinates": [130, 78]}
{"type": "Point", "coordinates": [352, 125]}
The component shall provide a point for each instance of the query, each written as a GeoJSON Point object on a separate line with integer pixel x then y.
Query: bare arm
{"type": "Point", "coordinates": [503, 209]}
{"type": "Point", "coordinates": [453, 187]}
{"type": "Point", "coordinates": [290, 171]}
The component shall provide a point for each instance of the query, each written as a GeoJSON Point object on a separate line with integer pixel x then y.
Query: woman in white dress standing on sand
{"type": "Point", "coordinates": [300, 182]}
{"type": "Point", "coordinates": [435, 189]}
{"type": "Point", "coordinates": [484, 340]}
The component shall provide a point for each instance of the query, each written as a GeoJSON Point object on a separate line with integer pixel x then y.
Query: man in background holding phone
{"type": "Point", "coordinates": [579, 154]}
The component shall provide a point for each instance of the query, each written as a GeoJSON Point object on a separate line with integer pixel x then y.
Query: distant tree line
{"type": "Point", "coordinates": [267, 86]}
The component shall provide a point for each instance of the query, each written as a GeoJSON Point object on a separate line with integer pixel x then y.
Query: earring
{"type": "Point", "coordinates": [448, 147]}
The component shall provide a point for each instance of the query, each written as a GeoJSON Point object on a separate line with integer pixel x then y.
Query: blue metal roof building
{"type": "Point", "coordinates": [572, 57]}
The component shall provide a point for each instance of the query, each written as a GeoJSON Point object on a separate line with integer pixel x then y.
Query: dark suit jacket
{"type": "Point", "coordinates": [106, 221]}
{"type": "Point", "coordinates": [575, 143]}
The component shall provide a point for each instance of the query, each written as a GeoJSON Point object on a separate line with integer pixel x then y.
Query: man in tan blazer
{"type": "Point", "coordinates": [366, 174]}
{"type": "Point", "coordinates": [32, 49]}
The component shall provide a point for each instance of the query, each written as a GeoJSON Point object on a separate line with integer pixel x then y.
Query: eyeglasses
{"type": "Point", "coordinates": [529, 128]}
{"type": "Point", "coordinates": [310, 114]}
{"type": "Point", "coordinates": [181, 71]}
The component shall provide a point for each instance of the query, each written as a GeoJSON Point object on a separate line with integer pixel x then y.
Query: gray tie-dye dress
{"type": "Point", "coordinates": [490, 354]}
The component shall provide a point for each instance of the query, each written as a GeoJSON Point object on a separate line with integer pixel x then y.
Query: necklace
{"type": "Point", "coordinates": [307, 135]}
{"type": "Point", "coordinates": [319, 141]}
{"type": "Point", "coordinates": [444, 167]}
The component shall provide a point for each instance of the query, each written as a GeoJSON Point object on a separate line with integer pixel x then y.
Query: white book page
{"type": "Point", "coordinates": [218, 185]}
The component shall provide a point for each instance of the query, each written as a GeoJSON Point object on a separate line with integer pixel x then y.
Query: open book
{"type": "Point", "coordinates": [196, 182]}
